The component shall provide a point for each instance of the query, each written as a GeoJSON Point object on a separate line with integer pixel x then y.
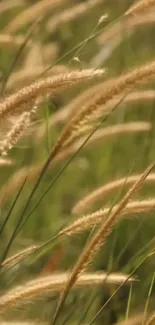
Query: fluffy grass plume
{"type": "Point", "coordinates": [42, 88]}
{"type": "Point", "coordinates": [98, 239]}
{"type": "Point", "coordinates": [114, 87]}
{"type": "Point", "coordinates": [32, 172]}
{"type": "Point", "coordinates": [55, 282]}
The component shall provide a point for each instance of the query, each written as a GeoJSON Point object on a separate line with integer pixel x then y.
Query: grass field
{"type": "Point", "coordinates": [77, 197]}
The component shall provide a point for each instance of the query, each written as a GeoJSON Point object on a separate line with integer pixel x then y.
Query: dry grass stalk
{"type": "Point", "coordinates": [91, 112]}
{"type": "Point", "coordinates": [140, 6]}
{"type": "Point", "coordinates": [47, 86]}
{"type": "Point", "coordinates": [32, 173]}
{"type": "Point", "coordinates": [17, 131]}
{"type": "Point", "coordinates": [39, 9]}
{"type": "Point", "coordinates": [93, 219]}
{"type": "Point", "coordinates": [71, 13]}
{"type": "Point", "coordinates": [52, 283]}
{"type": "Point", "coordinates": [106, 189]}
{"type": "Point", "coordinates": [16, 257]}
{"type": "Point", "coordinates": [99, 238]}
{"type": "Point", "coordinates": [6, 39]}
{"type": "Point", "coordinates": [63, 114]}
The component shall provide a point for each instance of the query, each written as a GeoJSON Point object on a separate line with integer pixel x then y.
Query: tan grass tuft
{"type": "Point", "coordinates": [140, 6]}
{"type": "Point", "coordinates": [27, 75]}
{"type": "Point", "coordinates": [56, 282]}
{"type": "Point", "coordinates": [91, 112]}
{"type": "Point", "coordinates": [99, 238]}
{"type": "Point", "coordinates": [93, 219]}
{"type": "Point", "coordinates": [100, 135]}
{"type": "Point", "coordinates": [16, 257]}
{"type": "Point", "coordinates": [106, 189]}
{"type": "Point", "coordinates": [48, 86]}
{"type": "Point", "coordinates": [63, 114]}
{"type": "Point", "coordinates": [17, 131]}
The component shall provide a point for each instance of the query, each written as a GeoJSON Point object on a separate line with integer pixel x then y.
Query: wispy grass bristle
{"type": "Point", "coordinates": [69, 110]}
{"type": "Point", "coordinates": [16, 257]}
{"type": "Point", "coordinates": [49, 86]}
{"type": "Point", "coordinates": [26, 75]}
{"type": "Point", "coordinates": [113, 88]}
{"type": "Point", "coordinates": [53, 283]}
{"type": "Point", "coordinates": [106, 189]}
{"type": "Point", "coordinates": [31, 173]}
{"type": "Point", "coordinates": [93, 219]}
{"type": "Point", "coordinates": [17, 131]}
{"type": "Point", "coordinates": [98, 239]}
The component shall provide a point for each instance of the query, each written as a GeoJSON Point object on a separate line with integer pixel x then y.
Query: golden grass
{"type": "Point", "coordinates": [42, 88]}
{"type": "Point", "coordinates": [52, 283]}
{"type": "Point", "coordinates": [26, 75]}
{"type": "Point", "coordinates": [17, 131]}
{"type": "Point", "coordinates": [80, 115]}
{"type": "Point", "coordinates": [16, 257]}
{"type": "Point", "coordinates": [99, 238]}
{"type": "Point", "coordinates": [93, 219]}
{"type": "Point", "coordinates": [94, 110]}
{"type": "Point", "coordinates": [32, 172]}
{"type": "Point", "coordinates": [65, 113]}
{"type": "Point", "coordinates": [100, 193]}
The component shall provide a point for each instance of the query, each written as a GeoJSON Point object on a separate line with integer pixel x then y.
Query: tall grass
{"type": "Point", "coordinates": [73, 139]}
